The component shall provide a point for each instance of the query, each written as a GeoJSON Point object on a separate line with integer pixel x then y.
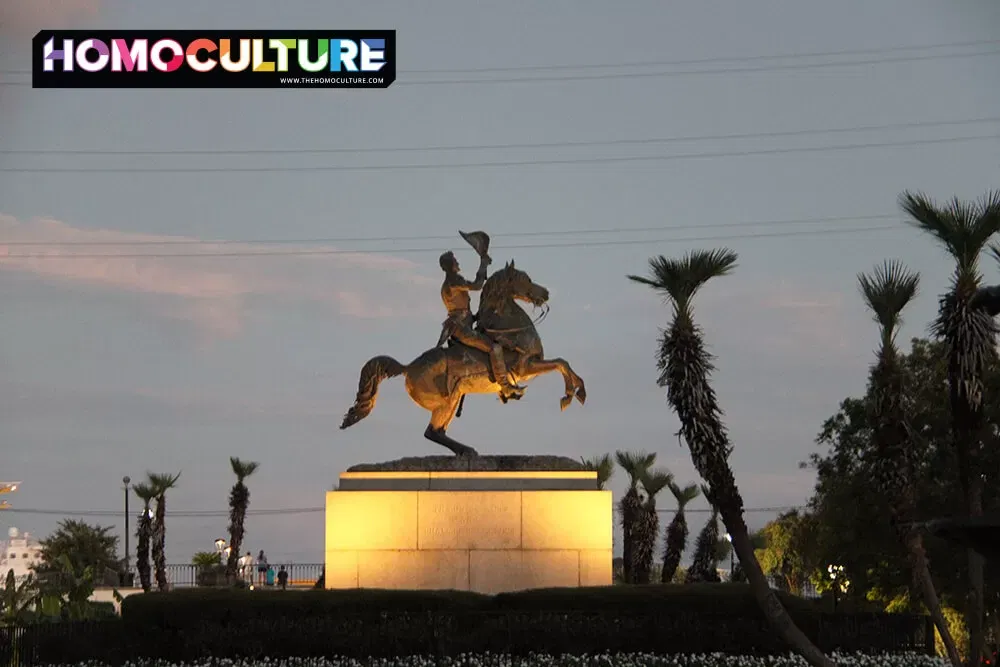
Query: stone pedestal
{"type": "Point", "coordinates": [489, 524]}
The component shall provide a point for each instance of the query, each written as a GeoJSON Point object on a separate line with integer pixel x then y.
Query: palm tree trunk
{"type": "Point", "coordinates": [673, 546]}
{"type": "Point", "coordinates": [160, 543]}
{"type": "Point", "coordinates": [239, 498]}
{"type": "Point", "coordinates": [731, 510]}
{"type": "Point", "coordinates": [918, 557]}
{"type": "Point", "coordinates": [142, 551]}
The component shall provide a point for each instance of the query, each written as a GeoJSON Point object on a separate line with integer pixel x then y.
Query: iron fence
{"type": "Point", "coordinates": [375, 635]}
{"type": "Point", "coordinates": [300, 575]}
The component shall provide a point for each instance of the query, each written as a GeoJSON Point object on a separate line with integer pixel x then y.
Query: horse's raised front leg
{"type": "Point", "coordinates": [441, 419]}
{"type": "Point", "coordinates": [574, 383]}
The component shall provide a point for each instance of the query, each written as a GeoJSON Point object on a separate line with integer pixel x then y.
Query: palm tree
{"type": "Point", "coordinates": [161, 483]}
{"type": "Point", "coordinates": [604, 466]}
{"type": "Point", "coordinates": [704, 566]}
{"type": "Point", "coordinates": [675, 539]}
{"type": "Point", "coordinates": [969, 335]}
{"type": "Point", "coordinates": [239, 501]}
{"type": "Point", "coordinates": [886, 291]}
{"type": "Point", "coordinates": [144, 533]}
{"type": "Point", "coordinates": [685, 369]}
{"type": "Point", "coordinates": [647, 526]}
{"type": "Point", "coordinates": [634, 464]}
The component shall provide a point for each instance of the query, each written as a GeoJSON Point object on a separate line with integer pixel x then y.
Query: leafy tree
{"type": "Point", "coordinates": [604, 466]}
{"type": "Point", "coordinates": [161, 483]}
{"type": "Point", "coordinates": [17, 600]}
{"type": "Point", "coordinates": [969, 335]}
{"type": "Point", "coordinates": [635, 465]}
{"type": "Point", "coordinates": [144, 534]}
{"type": "Point", "coordinates": [83, 544]}
{"type": "Point", "coordinates": [239, 501]}
{"type": "Point", "coordinates": [675, 540]}
{"type": "Point", "coordinates": [648, 524]}
{"type": "Point", "coordinates": [849, 513]}
{"type": "Point", "coordinates": [784, 550]}
{"type": "Point", "coordinates": [685, 370]}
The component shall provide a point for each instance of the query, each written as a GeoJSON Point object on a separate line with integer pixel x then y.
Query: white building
{"type": "Point", "coordinates": [19, 553]}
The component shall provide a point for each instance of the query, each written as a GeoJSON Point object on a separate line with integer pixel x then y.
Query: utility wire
{"type": "Point", "coordinates": [493, 164]}
{"type": "Point", "coordinates": [508, 146]}
{"type": "Point", "coordinates": [666, 74]}
{"type": "Point", "coordinates": [325, 252]}
{"type": "Point", "coordinates": [192, 514]}
{"type": "Point", "coordinates": [671, 63]}
{"type": "Point", "coordinates": [451, 237]}
{"type": "Point", "coordinates": [691, 72]}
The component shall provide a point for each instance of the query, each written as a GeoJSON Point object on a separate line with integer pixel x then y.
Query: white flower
{"type": "Point", "coordinates": [542, 660]}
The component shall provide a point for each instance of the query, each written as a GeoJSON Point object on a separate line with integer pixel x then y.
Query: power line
{"type": "Point", "coordinates": [666, 74]}
{"type": "Point", "coordinates": [574, 244]}
{"type": "Point", "coordinates": [695, 72]}
{"type": "Point", "coordinates": [194, 514]}
{"type": "Point", "coordinates": [508, 146]}
{"type": "Point", "coordinates": [673, 63]}
{"type": "Point", "coordinates": [497, 163]}
{"type": "Point", "coordinates": [451, 237]}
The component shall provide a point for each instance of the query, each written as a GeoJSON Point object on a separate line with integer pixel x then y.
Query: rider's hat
{"type": "Point", "coordinates": [480, 241]}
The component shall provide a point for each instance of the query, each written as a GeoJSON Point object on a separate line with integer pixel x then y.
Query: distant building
{"type": "Point", "coordinates": [20, 552]}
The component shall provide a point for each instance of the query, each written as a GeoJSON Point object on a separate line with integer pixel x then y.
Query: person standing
{"type": "Point", "coordinates": [261, 567]}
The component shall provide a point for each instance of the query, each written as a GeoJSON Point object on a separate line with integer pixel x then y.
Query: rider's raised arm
{"type": "Point", "coordinates": [476, 284]}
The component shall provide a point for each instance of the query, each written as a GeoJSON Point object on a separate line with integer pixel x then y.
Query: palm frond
{"type": "Point", "coordinates": [962, 228]}
{"type": "Point", "coordinates": [684, 495]}
{"type": "Point", "coordinates": [162, 482]}
{"type": "Point", "coordinates": [634, 463]}
{"type": "Point", "coordinates": [680, 279]}
{"type": "Point", "coordinates": [242, 469]}
{"type": "Point", "coordinates": [604, 466]}
{"type": "Point", "coordinates": [886, 291]}
{"type": "Point", "coordinates": [654, 481]}
{"type": "Point", "coordinates": [144, 491]}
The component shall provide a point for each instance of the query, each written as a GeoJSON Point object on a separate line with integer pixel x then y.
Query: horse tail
{"type": "Point", "coordinates": [372, 373]}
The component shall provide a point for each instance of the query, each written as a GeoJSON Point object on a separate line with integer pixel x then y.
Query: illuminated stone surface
{"type": "Point", "coordinates": [502, 539]}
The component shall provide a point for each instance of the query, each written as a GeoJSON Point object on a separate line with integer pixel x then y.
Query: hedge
{"type": "Point", "coordinates": [193, 624]}
{"type": "Point", "coordinates": [186, 607]}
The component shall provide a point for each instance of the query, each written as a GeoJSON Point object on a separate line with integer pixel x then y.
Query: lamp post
{"type": "Point", "coordinates": [126, 480]}
{"type": "Point", "coordinates": [732, 562]}
{"type": "Point", "coordinates": [835, 571]}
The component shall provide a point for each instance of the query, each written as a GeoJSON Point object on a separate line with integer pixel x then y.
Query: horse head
{"type": "Point", "coordinates": [512, 283]}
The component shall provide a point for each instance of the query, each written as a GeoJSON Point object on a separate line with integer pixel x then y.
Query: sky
{"type": "Point", "coordinates": [113, 367]}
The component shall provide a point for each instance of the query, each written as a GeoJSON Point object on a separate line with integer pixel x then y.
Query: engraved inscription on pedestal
{"type": "Point", "coordinates": [448, 520]}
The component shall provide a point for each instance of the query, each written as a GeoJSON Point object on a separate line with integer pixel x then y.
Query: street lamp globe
{"type": "Point", "coordinates": [220, 544]}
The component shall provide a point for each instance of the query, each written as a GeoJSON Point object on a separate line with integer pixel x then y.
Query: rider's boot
{"type": "Point", "coordinates": [507, 390]}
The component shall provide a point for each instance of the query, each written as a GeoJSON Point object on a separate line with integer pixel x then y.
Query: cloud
{"type": "Point", "coordinates": [26, 17]}
{"type": "Point", "coordinates": [786, 317]}
{"type": "Point", "coordinates": [213, 291]}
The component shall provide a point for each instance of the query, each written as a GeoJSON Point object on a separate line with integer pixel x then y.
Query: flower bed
{"type": "Point", "coordinates": [601, 660]}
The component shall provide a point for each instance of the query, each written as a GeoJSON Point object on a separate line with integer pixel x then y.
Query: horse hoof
{"type": "Point", "coordinates": [581, 395]}
{"type": "Point", "coordinates": [564, 402]}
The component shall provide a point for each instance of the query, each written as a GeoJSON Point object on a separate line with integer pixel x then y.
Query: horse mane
{"type": "Point", "coordinates": [496, 289]}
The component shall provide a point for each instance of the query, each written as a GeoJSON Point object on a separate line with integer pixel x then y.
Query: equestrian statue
{"type": "Point", "coordinates": [489, 352]}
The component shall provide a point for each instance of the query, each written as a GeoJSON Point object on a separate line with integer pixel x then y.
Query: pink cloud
{"type": "Point", "coordinates": [213, 291]}
{"type": "Point", "coordinates": [26, 17]}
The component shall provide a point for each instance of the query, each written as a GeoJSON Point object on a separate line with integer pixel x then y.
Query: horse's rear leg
{"type": "Point", "coordinates": [441, 419]}
{"type": "Point", "coordinates": [574, 383]}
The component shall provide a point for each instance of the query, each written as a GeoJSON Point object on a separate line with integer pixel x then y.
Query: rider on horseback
{"type": "Point", "coordinates": [455, 295]}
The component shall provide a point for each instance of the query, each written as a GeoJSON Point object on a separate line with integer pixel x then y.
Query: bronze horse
{"type": "Point", "coordinates": [439, 378]}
